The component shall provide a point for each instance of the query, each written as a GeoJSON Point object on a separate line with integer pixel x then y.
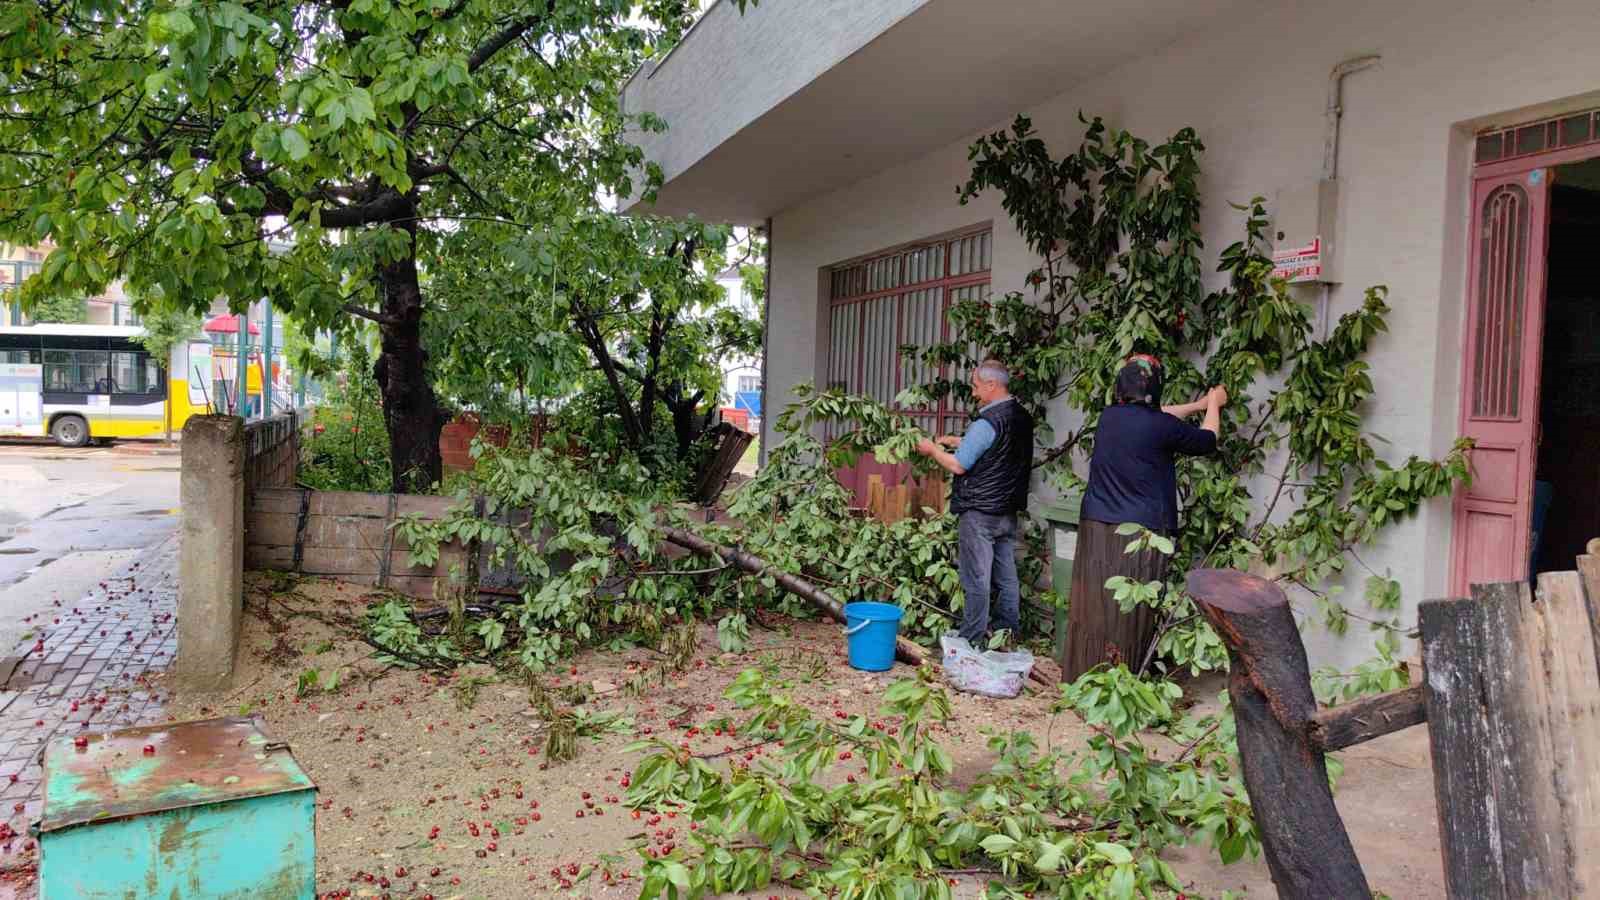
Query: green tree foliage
{"type": "Point", "coordinates": [347, 449]}
{"type": "Point", "coordinates": [1115, 225]}
{"type": "Point", "coordinates": [868, 807]}
{"type": "Point", "coordinates": [65, 310]}
{"type": "Point", "coordinates": [617, 318]}
{"type": "Point", "coordinates": [312, 151]}
{"type": "Point", "coordinates": [166, 328]}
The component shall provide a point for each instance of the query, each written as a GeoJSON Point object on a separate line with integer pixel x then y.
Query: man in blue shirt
{"type": "Point", "coordinates": [992, 465]}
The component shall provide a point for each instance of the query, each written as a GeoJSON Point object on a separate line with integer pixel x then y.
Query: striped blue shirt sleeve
{"type": "Point", "coordinates": [979, 437]}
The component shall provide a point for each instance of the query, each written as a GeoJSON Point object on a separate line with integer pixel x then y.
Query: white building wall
{"type": "Point", "coordinates": [707, 102]}
{"type": "Point", "coordinates": [1255, 91]}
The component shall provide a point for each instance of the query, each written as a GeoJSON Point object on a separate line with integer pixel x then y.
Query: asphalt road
{"type": "Point", "coordinates": [70, 518]}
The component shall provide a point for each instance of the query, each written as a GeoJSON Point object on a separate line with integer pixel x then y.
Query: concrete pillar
{"type": "Point", "coordinates": [210, 550]}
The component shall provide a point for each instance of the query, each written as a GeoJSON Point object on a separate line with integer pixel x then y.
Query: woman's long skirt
{"type": "Point", "coordinates": [1098, 631]}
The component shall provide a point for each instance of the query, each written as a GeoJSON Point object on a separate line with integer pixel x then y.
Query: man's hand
{"type": "Point", "coordinates": [943, 457]}
{"type": "Point", "coordinates": [1219, 395]}
{"type": "Point", "coordinates": [949, 441]}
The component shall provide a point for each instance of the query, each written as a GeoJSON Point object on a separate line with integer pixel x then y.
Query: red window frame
{"type": "Point", "coordinates": [942, 269]}
{"type": "Point", "coordinates": [1530, 139]}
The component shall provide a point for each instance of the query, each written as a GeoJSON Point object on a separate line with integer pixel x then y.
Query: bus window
{"type": "Point", "coordinates": [19, 357]}
{"type": "Point", "coordinates": [134, 373]}
{"type": "Point", "coordinates": [77, 371]}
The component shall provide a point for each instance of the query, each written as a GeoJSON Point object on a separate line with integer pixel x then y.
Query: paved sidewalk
{"type": "Point", "coordinates": [85, 668]}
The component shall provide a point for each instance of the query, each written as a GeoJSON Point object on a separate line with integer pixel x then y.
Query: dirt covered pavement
{"type": "Point", "coordinates": [436, 784]}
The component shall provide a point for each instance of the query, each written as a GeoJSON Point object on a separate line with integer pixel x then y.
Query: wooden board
{"type": "Point", "coordinates": [340, 561]}
{"type": "Point", "coordinates": [349, 532]}
{"type": "Point", "coordinates": [1514, 729]}
{"type": "Point", "coordinates": [283, 500]}
{"type": "Point", "coordinates": [342, 503]}
{"type": "Point", "coordinates": [1589, 571]}
{"type": "Point", "coordinates": [1566, 687]}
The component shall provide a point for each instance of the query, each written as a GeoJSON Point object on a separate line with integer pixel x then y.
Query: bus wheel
{"type": "Point", "coordinates": [70, 431]}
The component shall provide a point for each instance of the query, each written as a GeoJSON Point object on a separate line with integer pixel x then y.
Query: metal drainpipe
{"type": "Point", "coordinates": [766, 339]}
{"type": "Point", "coordinates": [266, 362]}
{"type": "Point", "coordinates": [1330, 147]}
{"type": "Point", "coordinates": [1335, 110]}
{"type": "Point", "coordinates": [241, 389]}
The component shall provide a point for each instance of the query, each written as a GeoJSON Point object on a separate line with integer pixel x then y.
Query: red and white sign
{"type": "Point", "coordinates": [1298, 264]}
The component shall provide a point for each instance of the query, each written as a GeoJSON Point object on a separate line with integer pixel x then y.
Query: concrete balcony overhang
{"type": "Point", "coordinates": [796, 98]}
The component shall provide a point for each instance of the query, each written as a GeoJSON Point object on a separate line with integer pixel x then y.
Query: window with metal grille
{"type": "Point", "coordinates": [897, 299]}
{"type": "Point", "coordinates": [1573, 130]}
{"type": "Point", "coordinates": [1502, 290]}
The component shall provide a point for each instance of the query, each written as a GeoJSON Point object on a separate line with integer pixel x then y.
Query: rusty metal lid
{"type": "Point", "coordinates": [191, 764]}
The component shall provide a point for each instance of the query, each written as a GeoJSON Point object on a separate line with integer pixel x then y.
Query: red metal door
{"type": "Point", "coordinates": [1500, 375]}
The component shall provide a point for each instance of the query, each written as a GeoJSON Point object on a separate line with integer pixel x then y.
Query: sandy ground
{"type": "Point", "coordinates": [407, 773]}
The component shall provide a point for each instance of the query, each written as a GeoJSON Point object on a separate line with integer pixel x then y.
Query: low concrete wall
{"type": "Point", "coordinates": [210, 550]}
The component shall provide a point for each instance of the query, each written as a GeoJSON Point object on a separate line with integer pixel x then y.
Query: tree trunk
{"type": "Point", "coordinates": [410, 410]}
{"type": "Point", "coordinates": [589, 330]}
{"type": "Point", "coordinates": [1308, 850]}
{"type": "Point", "coordinates": [687, 423]}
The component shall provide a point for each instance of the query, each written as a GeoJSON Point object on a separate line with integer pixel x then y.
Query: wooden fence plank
{"type": "Point", "coordinates": [1504, 672]}
{"type": "Point", "coordinates": [349, 561]}
{"type": "Point", "coordinates": [428, 507]}
{"type": "Point", "coordinates": [1589, 569]}
{"type": "Point", "coordinates": [348, 532]}
{"type": "Point", "coordinates": [279, 500]}
{"type": "Point", "coordinates": [270, 527]}
{"type": "Point", "coordinates": [1454, 652]}
{"type": "Point", "coordinates": [1570, 681]}
{"type": "Point", "coordinates": [349, 503]}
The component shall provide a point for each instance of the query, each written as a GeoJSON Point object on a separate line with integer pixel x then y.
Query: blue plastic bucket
{"type": "Point", "coordinates": [870, 629]}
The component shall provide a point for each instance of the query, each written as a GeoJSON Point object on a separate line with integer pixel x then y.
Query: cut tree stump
{"type": "Point", "coordinates": [1269, 682]}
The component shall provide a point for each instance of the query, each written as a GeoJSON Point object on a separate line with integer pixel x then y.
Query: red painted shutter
{"type": "Point", "coordinates": [1500, 385]}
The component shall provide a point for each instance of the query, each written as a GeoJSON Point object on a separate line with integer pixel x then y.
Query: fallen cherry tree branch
{"type": "Point", "coordinates": [904, 650]}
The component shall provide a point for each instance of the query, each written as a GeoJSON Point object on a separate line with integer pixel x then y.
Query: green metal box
{"type": "Point", "coordinates": [1063, 518]}
{"type": "Point", "coordinates": [192, 810]}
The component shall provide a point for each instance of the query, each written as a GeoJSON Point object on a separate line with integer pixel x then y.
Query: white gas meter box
{"type": "Point", "coordinates": [1304, 221]}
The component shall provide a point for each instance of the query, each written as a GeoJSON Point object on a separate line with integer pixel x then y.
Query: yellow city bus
{"type": "Point", "coordinates": [82, 383]}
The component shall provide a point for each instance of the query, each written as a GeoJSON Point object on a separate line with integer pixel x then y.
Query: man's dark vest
{"type": "Point", "coordinates": [997, 483]}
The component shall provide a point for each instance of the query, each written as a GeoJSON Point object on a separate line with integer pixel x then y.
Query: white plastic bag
{"type": "Point", "coordinates": [990, 673]}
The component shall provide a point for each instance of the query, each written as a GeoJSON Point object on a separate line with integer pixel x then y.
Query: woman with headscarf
{"type": "Point", "coordinates": [1133, 477]}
